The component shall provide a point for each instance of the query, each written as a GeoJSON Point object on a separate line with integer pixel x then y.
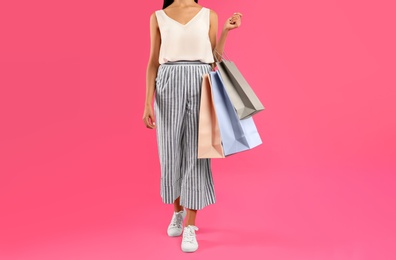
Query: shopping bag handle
{"type": "Point", "coordinates": [222, 56]}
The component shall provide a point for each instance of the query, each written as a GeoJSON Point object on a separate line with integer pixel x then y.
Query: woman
{"type": "Point", "coordinates": [183, 39]}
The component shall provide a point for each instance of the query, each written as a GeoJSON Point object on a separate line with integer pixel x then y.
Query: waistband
{"type": "Point", "coordinates": [183, 62]}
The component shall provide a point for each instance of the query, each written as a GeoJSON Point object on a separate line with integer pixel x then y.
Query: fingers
{"type": "Point", "coordinates": [149, 121]}
{"type": "Point", "coordinates": [234, 24]}
{"type": "Point", "coordinates": [152, 121]}
{"type": "Point", "coordinates": [235, 18]}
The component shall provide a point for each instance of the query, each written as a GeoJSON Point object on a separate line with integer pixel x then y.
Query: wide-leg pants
{"type": "Point", "coordinates": [176, 107]}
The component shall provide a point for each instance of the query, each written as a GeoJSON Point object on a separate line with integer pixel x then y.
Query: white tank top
{"type": "Point", "coordinates": [185, 42]}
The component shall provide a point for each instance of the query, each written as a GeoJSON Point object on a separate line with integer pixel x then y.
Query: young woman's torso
{"type": "Point", "coordinates": [184, 37]}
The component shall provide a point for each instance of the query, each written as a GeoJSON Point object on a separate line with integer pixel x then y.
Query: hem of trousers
{"type": "Point", "coordinates": [168, 191]}
{"type": "Point", "coordinates": [187, 197]}
{"type": "Point", "coordinates": [197, 207]}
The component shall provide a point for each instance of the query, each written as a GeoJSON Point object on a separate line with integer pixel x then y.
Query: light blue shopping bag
{"type": "Point", "coordinates": [237, 135]}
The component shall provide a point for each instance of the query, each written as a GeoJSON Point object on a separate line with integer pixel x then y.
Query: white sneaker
{"type": "Point", "coordinates": [189, 242]}
{"type": "Point", "coordinates": [175, 227]}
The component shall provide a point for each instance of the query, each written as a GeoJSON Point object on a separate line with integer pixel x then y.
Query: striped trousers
{"type": "Point", "coordinates": [176, 107]}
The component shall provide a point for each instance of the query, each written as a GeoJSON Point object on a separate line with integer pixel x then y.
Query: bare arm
{"type": "Point", "coordinates": [151, 73]}
{"type": "Point", "coordinates": [233, 22]}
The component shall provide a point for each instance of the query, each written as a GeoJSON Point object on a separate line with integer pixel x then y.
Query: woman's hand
{"type": "Point", "coordinates": [148, 117]}
{"type": "Point", "coordinates": [233, 22]}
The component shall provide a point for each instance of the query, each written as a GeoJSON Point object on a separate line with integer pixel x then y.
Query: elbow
{"type": "Point", "coordinates": [153, 63]}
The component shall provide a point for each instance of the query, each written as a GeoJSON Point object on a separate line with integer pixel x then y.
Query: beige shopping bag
{"type": "Point", "coordinates": [242, 96]}
{"type": "Point", "coordinates": [209, 139]}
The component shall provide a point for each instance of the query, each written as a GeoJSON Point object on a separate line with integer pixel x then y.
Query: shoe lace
{"type": "Point", "coordinates": [189, 233]}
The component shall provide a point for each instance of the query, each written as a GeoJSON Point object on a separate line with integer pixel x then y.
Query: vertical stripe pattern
{"type": "Point", "coordinates": [176, 107]}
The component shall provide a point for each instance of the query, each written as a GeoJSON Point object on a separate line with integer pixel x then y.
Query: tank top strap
{"type": "Point", "coordinates": [160, 17]}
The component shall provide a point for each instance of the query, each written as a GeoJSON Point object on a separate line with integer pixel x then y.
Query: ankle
{"type": "Point", "coordinates": [178, 209]}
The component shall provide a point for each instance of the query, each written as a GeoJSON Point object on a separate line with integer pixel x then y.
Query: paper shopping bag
{"type": "Point", "coordinates": [209, 141]}
{"type": "Point", "coordinates": [237, 135]}
{"type": "Point", "coordinates": [242, 96]}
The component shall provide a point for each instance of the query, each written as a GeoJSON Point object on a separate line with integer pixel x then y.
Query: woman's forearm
{"type": "Point", "coordinates": [232, 23]}
{"type": "Point", "coordinates": [150, 83]}
{"type": "Point", "coordinates": [219, 49]}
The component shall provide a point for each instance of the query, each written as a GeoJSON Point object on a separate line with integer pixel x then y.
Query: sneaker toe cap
{"type": "Point", "coordinates": [189, 248]}
{"type": "Point", "coordinates": [174, 232]}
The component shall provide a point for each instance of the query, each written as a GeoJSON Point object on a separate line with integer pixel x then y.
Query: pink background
{"type": "Point", "coordinates": [79, 172]}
